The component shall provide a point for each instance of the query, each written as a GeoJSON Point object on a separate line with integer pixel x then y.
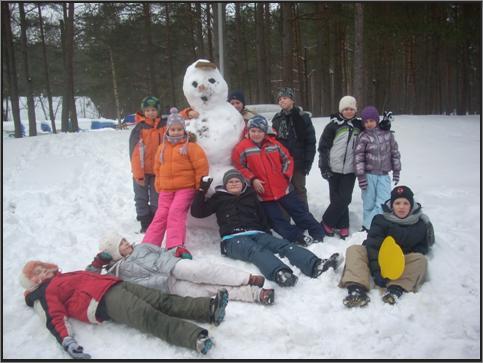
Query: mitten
{"type": "Point", "coordinates": [205, 183]}
{"type": "Point", "coordinates": [74, 349]}
{"type": "Point", "coordinates": [379, 280]}
{"type": "Point", "coordinates": [326, 174]}
{"type": "Point", "coordinates": [102, 259]}
{"type": "Point", "coordinates": [362, 182]}
{"type": "Point", "coordinates": [395, 177]}
{"type": "Point", "coordinates": [182, 252]}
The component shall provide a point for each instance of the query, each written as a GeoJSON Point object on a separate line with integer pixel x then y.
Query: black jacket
{"type": "Point", "coordinates": [234, 213]}
{"type": "Point", "coordinates": [299, 138]}
{"type": "Point", "coordinates": [411, 237]}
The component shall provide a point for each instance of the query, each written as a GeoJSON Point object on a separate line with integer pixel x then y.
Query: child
{"type": "Point", "coordinates": [268, 165]}
{"type": "Point", "coordinates": [175, 272]}
{"type": "Point", "coordinates": [143, 142]}
{"type": "Point", "coordinates": [179, 165]}
{"type": "Point", "coordinates": [245, 235]}
{"type": "Point", "coordinates": [295, 131]}
{"type": "Point", "coordinates": [376, 154]}
{"type": "Point", "coordinates": [94, 298]}
{"type": "Point", "coordinates": [237, 100]}
{"type": "Point", "coordinates": [336, 163]}
{"type": "Point", "coordinates": [412, 230]}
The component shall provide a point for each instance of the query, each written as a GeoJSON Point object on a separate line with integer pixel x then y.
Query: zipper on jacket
{"type": "Point", "coordinates": [347, 145]}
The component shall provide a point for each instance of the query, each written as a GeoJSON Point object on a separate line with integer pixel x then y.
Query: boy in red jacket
{"type": "Point", "coordinates": [94, 298]}
{"type": "Point", "coordinates": [268, 165]}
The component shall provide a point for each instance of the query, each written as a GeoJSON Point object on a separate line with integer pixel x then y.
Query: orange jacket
{"type": "Point", "coordinates": [179, 171]}
{"type": "Point", "coordinates": [144, 140]}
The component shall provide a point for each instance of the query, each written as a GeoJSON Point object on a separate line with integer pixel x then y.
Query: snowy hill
{"type": "Point", "coordinates": [61, 193]}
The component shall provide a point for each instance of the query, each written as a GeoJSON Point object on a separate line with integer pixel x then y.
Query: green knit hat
{"type": "Point", "coordinates": [151, 101]}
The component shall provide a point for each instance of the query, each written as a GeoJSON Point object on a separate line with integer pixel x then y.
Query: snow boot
{"type": "Point", "coordinates": [324, 264]}
{"type": "Point", "coordinates": [256, 280]}
{"type": "Point", "coordinates": [217, 306]}
{"type": "Point", "coordinates": [344, 233]}
{"type": "Point", "coordinates": [329, 231]}
{"type": "Point", "coordinates": [204, 343]}
{"type": "Point", "coordinates": [357, 296]}
{"type": "Point", "coordinates": [286, 278]}
{"type": "Point", "coordinates": [267, 296]}
{"type": "Point", "coordinates": [393, 294]}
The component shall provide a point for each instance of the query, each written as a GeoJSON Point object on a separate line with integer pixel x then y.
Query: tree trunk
{"type": "Point", "coordinates": [260, 52]}
{"type": "Point", "coordinates": [300, 59]}
{"type": "Point", "coordinates": [151, 70]}
{"type": "Point", "coordinates": [46, 70]}
{"type": "Point", "coordinates": [73, 111]}
{"type": "Point", "coordinates": [199, 31]}
{"type": "Point", "coordinates": [7, 46]}
{"type": "Point", "coordinates": [287, 43]}
{"type": "Point", "coordinates": [240, 60]}
{"type": "Point", "coordinates": [268, 58]}
{"type": "Point", "coordinates": [114, 87]}
{"type": "Point", "coordinates": [170, 59]}
{"type": "Point", "coordinates": [30, 96]}
{"type": "Point", "coordinates": [192, 24]}
{"type": "Point", "coordinates": [209, 29]}
{"type": "Point", "coordinates": [65, 96]}
{"type": "Point", "coordinates": [358, 53]}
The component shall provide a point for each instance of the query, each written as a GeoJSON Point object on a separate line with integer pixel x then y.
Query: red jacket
{"type": "Point", "coordinates": [271, 163]}
{"type": "Point", "coordinates": [73, 294]}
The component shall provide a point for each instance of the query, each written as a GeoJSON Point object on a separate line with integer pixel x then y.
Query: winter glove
{"type": "Point", "coordinates": [326, 174]}
{"type": "Point", "coordinates": [385, 123]}
{"type": "Point", "coordinates": [205, 183]}
{"type": "Point", "coordinates": [362, 182]}
{"type": "Point", "coordinates": [74, 349]}
{"type": "Point", "coordinates": [183, 253]}
{"type": "Point", "coordinates": [395, 177]}
{"type": "Point", "coordinates": [102, 259]}
{"type": "Point", "coordinates": [379, 280]}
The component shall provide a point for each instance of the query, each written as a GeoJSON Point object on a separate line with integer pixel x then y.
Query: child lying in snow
{"type": "Point", "coordinates": [94, 298]}
{"type": "Point", "coordinates": [173, 271]}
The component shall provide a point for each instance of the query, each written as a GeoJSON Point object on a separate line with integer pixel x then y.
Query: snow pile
{"type": "Point", "coordinates": [63, 192]}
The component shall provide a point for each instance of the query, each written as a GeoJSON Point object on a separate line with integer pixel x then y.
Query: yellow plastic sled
{"type": "Point", "coordinates": [391, 259]}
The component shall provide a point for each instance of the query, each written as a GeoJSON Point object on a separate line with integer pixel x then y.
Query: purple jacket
{"type": "Point", "coordinates": [377, 153]}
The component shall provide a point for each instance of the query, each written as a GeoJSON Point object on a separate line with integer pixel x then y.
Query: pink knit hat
{"type": "Point", "coordinates": [28, 273]}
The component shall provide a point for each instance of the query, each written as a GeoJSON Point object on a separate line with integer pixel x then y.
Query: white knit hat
{"type": "Point", "coordinates": [347, 102]}
{"type": "Point", "coordinates": [27, 273]}
{"type": "Point", "coordinates": [110, 244]}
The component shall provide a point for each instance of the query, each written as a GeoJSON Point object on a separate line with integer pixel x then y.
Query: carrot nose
{"type": "Point", "coordinates": [201, 87]}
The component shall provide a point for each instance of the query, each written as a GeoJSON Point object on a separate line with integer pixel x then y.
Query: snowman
{"type": "Point", "coordinates": [219, 126]}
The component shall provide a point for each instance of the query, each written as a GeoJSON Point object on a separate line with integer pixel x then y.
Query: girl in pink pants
{"type": "Point", "coordinates": [179, 165]}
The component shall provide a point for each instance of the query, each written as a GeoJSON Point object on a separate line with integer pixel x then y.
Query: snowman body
{"type": "Point", "coordinates": [219, 126]}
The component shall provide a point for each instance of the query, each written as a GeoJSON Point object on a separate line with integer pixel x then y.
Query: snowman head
{"type": "Point", "coordinates": [204, 86]}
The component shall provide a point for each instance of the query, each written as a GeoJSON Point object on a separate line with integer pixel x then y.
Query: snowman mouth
{"type": "Point", "coordinates": [204, 98]}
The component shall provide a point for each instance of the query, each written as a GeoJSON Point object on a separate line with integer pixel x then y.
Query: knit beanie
{"type": "Point", "coordinates": [110, 244]}
{"type": "Point", "coordinates": [237, 95]}
{"type": "Point", "coordinates": [232, 173]}
{"type": "Point", "coordinates": [151, 101]}
{"type": "Point", "coordinates": [286, 92]}
{"type": "Point", "coordinates": [402, 191]}
{"type": "Point", "coordinates": [28, 272]}
{"type": "Point", "coordinates": [174, 118]}
{"type": "Point", "coordinates": [259, 122]}
{"type": "Point", "coordinates": [347, 102]}
{"type": "Point", "coordinates": [370, 113]}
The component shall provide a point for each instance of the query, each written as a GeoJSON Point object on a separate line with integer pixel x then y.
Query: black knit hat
{"type": "Point", "coordinates": [151, 101]}
{"type": "Point", "coordinates": [237, 95]}
{"type": "Point", "coordinates": [402, 191]}
{"type": "Point", "coordinates": [232, 173]}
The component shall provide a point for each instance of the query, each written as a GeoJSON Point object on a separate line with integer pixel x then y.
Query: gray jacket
{"type": "Point", "coordinates": [148, 265]}
{"type": "Point", "coordinates": [377, 153]}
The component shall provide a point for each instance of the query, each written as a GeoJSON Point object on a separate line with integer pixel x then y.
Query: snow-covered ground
{"type": "Point", "coordinates": [62, 192]}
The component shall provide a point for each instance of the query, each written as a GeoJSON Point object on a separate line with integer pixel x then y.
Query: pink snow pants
{"type": "Point", "coordinates": [170, 218]}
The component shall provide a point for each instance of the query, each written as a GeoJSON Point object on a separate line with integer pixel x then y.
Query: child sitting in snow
{"type": "Point", "coordinates": [268, 165]}
{"type": "Point", "coordinates": [143, 143]}
{"type": "Point", "coordinates": [179, 165]}
{"type": "Point", "coordinates": [376, 154]}
{"type": "Point", "coordinates": [413, 232]}
{"type": "Point", "coordinates": [175, 272]}
{"type": "Point", "coordinates": [336, 163]}
{"type": "Point", "coordinates": [245, 235]}
{"type": "Point", "coordinates": [94, 298]}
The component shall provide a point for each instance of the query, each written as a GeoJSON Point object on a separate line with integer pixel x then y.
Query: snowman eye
{"type": "Point", "coordinates": [211, 80]}
{"type": "Point", "coordinates": [195, 84]}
